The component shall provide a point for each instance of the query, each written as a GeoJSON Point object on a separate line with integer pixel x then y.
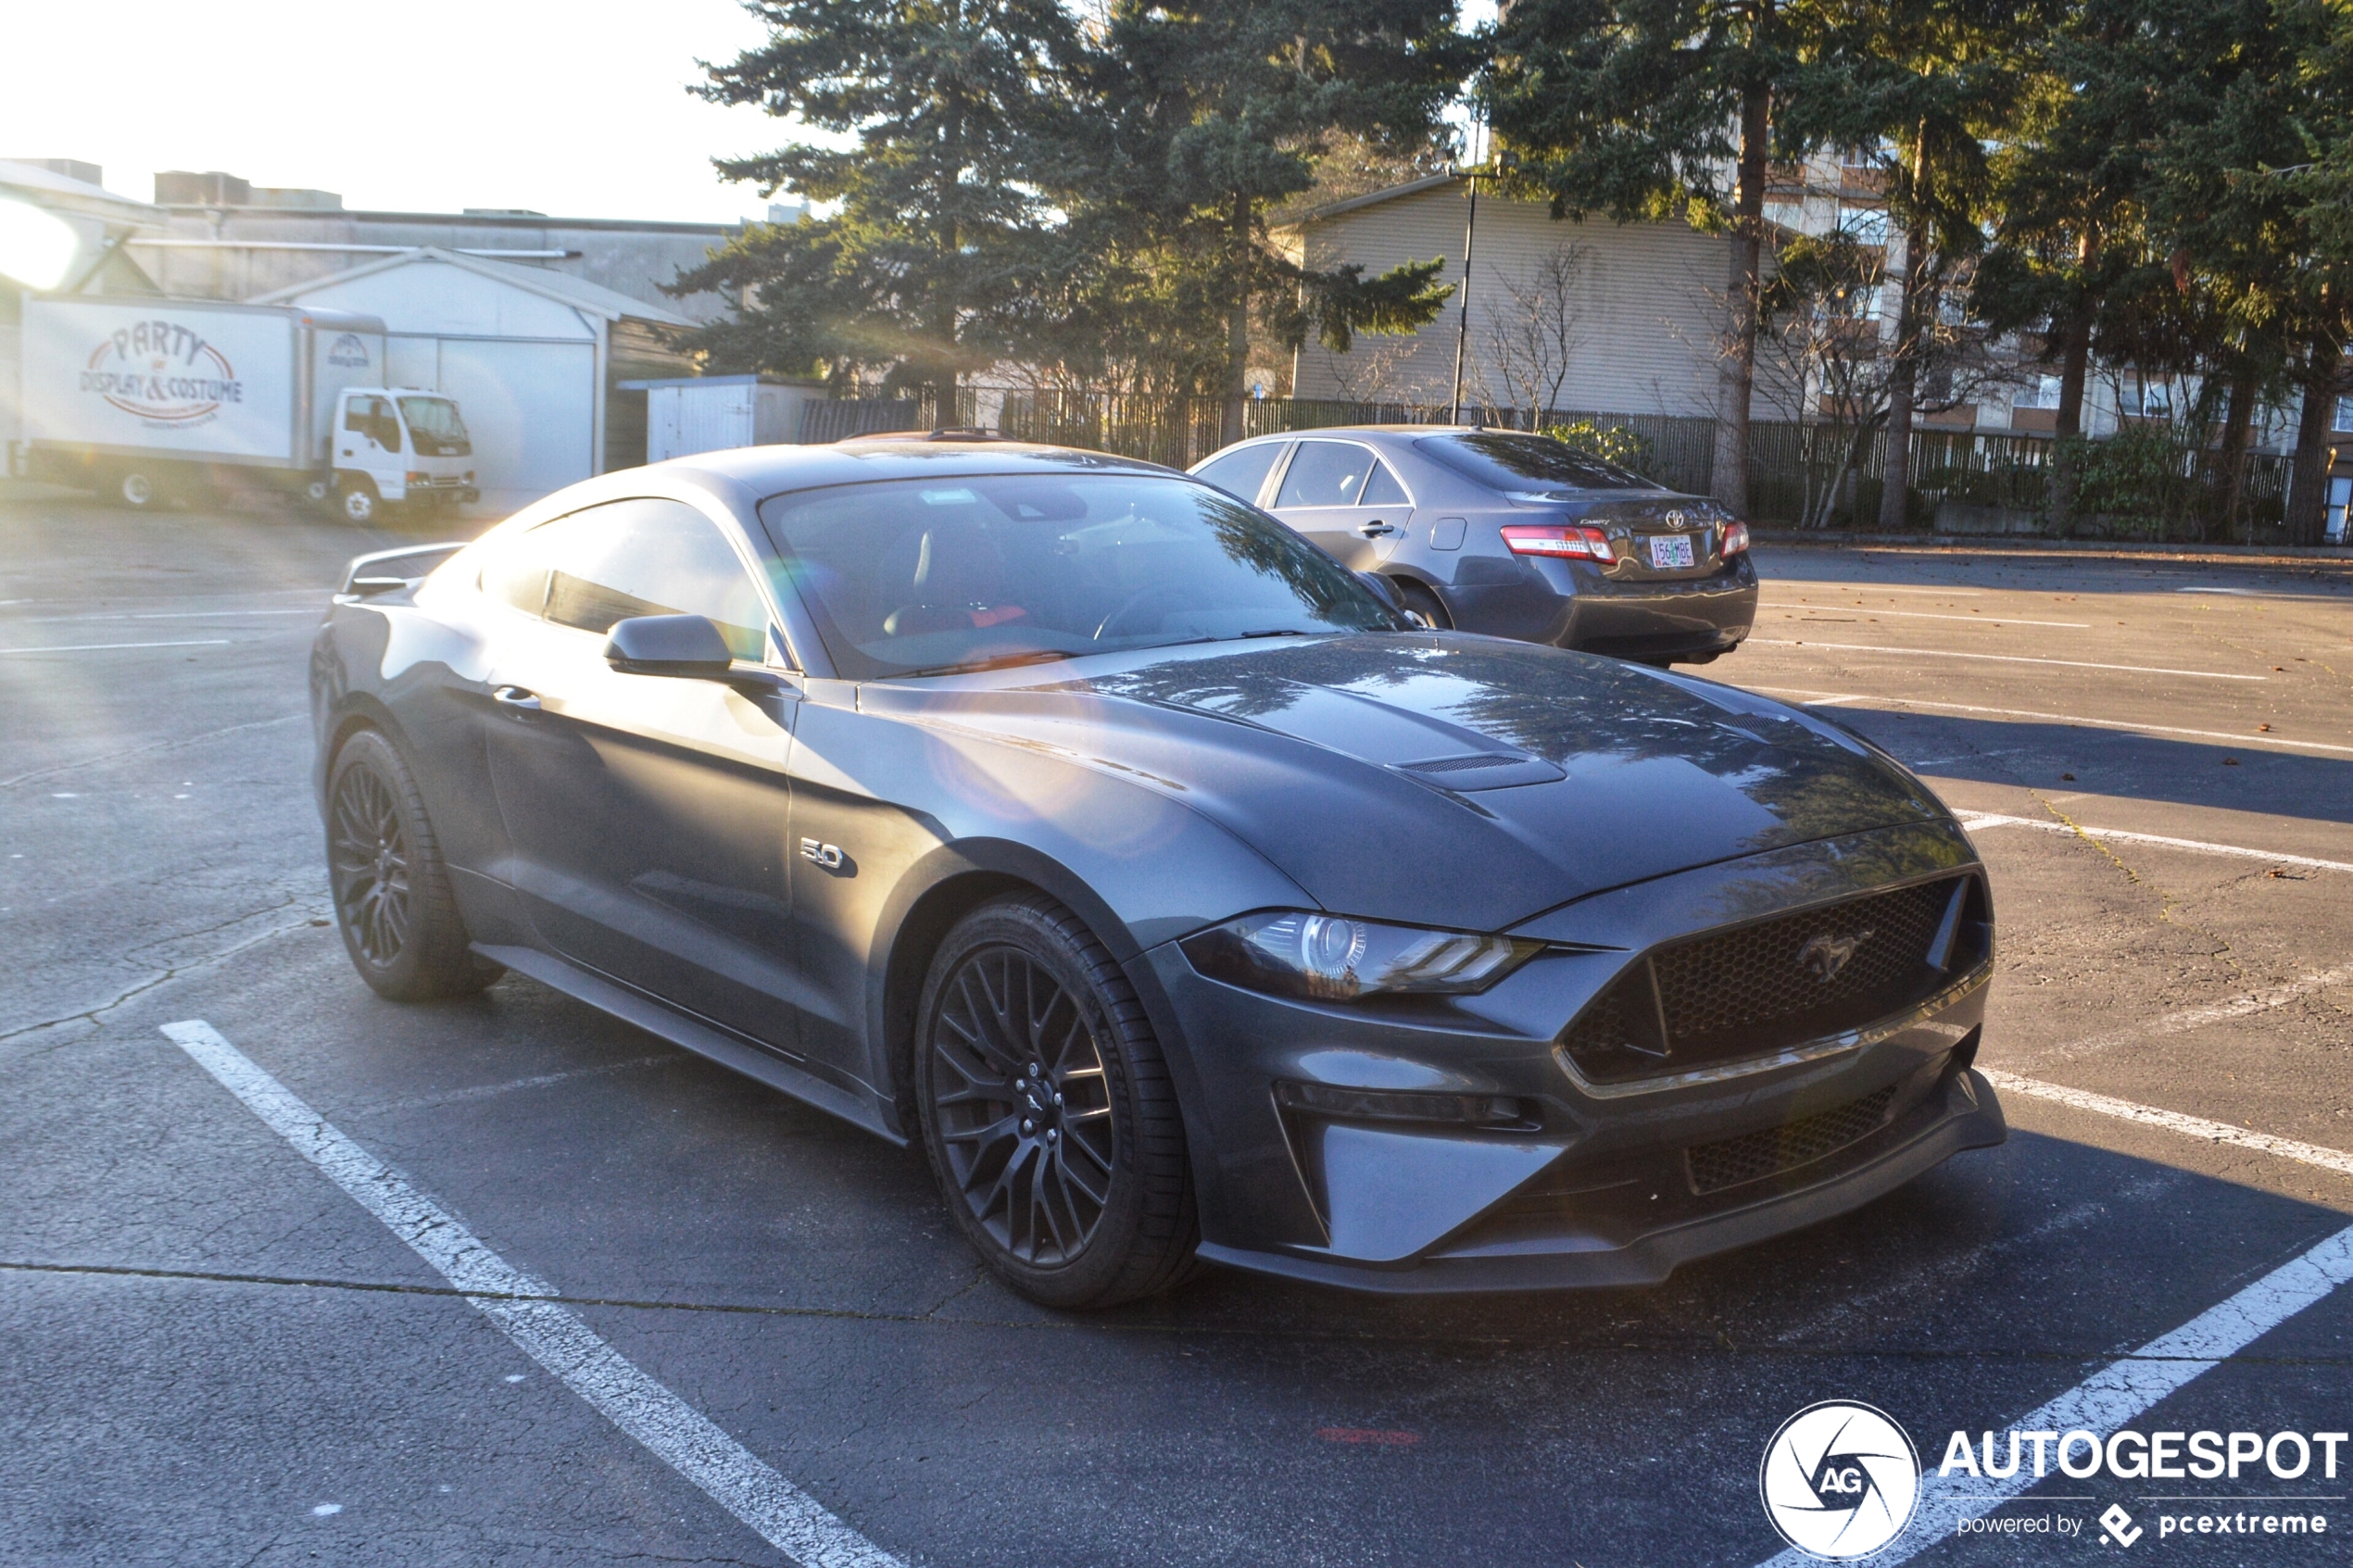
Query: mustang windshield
{"type": "Point", "coordinates": [929, 575]}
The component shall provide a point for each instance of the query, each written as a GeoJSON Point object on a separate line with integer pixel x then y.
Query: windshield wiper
{"type": "Point", "coordinates": [974, 667]}
{"type": "Point", "coordinates": [1280, 632]}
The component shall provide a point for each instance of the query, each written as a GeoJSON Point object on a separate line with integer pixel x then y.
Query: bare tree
{"type": "Point", "coordinates": [1376, 369]}
{"type": "Point", "coordinates": [1533, 341]}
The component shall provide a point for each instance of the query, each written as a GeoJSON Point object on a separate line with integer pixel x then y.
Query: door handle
{"type": "Point", "coordinates": [515, 700]}
{"type": "Point", "coordinates": [1376, 529]}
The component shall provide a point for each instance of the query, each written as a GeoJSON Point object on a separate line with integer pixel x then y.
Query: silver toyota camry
{"type": "Point", "coordinates": [1510, 533]}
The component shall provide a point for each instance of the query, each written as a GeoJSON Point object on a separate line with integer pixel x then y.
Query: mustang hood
{"type": "Point", "coordinates": [1450, 780]}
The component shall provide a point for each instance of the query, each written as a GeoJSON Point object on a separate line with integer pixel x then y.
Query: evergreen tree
{"type": "Point", "coordinates": [1644, 109]}
{"type": "Point", "coordinates": [1925, 88]}
{"type": "Point", "coordinates": [923, 268]}
{"type": "Point", "coordinates": [1206, 117]}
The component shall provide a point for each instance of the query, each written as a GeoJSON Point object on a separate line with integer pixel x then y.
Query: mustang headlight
{"type": "Point", "coordinates": [1332, 957]}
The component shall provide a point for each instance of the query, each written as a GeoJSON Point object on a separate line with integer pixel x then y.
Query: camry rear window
{"type": "Point", "coordinates": [935, 575]}
{"type": "Point", "coordinates": [1514, 461]}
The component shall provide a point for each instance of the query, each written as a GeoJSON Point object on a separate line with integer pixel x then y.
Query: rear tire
{"type": "Point", "coordinates": [1425, 602]}
{"type": "Point", "coordinates": [137, 489]}
{"type": "Point", "coordinates": [1046, 1111]}
{"type": "Point", "coordinates": [393, 901]}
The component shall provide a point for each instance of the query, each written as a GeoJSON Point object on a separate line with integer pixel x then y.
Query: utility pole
{"type": "Point", "coordinates": [1462, 331]}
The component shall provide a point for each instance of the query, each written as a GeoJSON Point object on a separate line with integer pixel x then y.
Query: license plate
{"type": "Point", "coordinates": [1671, 549]}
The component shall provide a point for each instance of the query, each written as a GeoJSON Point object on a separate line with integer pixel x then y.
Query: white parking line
{"type": "Point", "coordinates": [99, 647]}
{"type": "Point", "coordinates": [2327, 1158]}
{"type": "Point", "coordinates": [1997, 659]}
{"type": "Point", "coordinates": [2125, 724]}
{"type": "Point", "coordinates": [781, 1514]}
{"type": "Point", "coordinates": [1933, 615]}
{"type": "Point", "coordinates": [2121, 1391]}
{"type": "Point", "coordinates": [1974, 821]}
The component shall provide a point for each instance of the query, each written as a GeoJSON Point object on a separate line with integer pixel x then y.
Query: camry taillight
{"type": "Point", "coordinates": [1558, 539]}
{"type": "Point", "coordinates": [1735, 539]}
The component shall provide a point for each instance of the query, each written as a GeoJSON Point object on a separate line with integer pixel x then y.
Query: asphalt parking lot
{"type": "Point", "coordinates": [211, 1353]}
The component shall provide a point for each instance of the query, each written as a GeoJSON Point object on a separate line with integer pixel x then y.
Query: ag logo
{"type": "Point", "coordinates": [350, 350]}
{"type": "Point", "coordinates": [1824, 955]}
{"type": "Point", "coordinates": [1840, 1480]}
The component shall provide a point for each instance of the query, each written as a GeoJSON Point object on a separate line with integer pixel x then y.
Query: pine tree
{"type": "Point", "coordinates": [923, 269]}
{"type": "Point", "coordinates": [1206, 117]}
{"type": "Point", "coordinates": [1639, 110]}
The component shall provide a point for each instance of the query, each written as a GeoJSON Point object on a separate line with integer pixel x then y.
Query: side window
{"type": "Point", "coordinates": [1382, 489]}
{"type": "Point", "coordinates": [1243, 474]}
{"type": "Point", "coordinates": [360, 414]}
{"type": "Point", "coordinates": [1325, 473]}
{"type": "Point", "coordinates": [652, 557]}
{"type": "Point", "coordinates": [516, 572]}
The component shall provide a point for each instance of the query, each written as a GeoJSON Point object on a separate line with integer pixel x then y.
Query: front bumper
{"type": "Point", "coordinates": [1601, 1185]}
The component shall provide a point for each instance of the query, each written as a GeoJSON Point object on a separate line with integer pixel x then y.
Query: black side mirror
{"type": "Point", "coordinates": [687, 646]}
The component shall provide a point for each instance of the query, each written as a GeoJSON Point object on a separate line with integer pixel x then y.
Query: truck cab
{"type": "Point", "coordinates": [402, 446]}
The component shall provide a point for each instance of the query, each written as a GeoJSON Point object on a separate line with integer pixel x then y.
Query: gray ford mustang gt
{"type": "Point", "coordinates": [1182, 897]}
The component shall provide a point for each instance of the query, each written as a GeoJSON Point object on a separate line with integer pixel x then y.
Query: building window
{"type": "Point", "coordinates": [2344, 413]}
{"type": "Point", "coordinates": [2148, 400]}
{"type": "Point", "coordinates": [2043, 392]}
{"type": "Point", "coordinates": [1864, 225]}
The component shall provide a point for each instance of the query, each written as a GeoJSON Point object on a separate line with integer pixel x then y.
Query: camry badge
{"type": "Point", "coordinates": [1825, 955]}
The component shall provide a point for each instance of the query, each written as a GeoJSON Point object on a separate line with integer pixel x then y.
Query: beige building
{"type": "Point", "coordinates": [1615, 317]}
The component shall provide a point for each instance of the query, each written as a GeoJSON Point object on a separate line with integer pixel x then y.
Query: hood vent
{"type": "Point", "coordinates": [1483, 769]}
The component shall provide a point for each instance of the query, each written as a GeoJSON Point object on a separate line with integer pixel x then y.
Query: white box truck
{"type": "Point", "coordinates": [148, 400]}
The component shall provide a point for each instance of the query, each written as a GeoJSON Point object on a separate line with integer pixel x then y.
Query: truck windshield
{"type": "Point", "coordinates": [435, 426]}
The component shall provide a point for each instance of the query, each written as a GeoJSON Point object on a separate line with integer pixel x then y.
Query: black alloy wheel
{"type": "Point", "coordinates": [368, 854]}
{"type": "Point", "coordinates": [399, 919]}
{"type": "Point", "coordinates": [1022, 1106]}
{"type": "Point", "coordinates": [1047, 1113]}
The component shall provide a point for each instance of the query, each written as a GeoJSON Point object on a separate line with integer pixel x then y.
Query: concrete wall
{"type": "Point", "coordinates": [630, 258]}
{"type": "Point", "coordinates": [1646, 297]}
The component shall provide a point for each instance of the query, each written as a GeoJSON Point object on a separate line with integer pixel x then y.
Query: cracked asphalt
{"type": "Point", "coordinates": [209, 1354]}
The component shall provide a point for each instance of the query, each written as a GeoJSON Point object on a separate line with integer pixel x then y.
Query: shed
{"type": "Point", "coordinates": [690, 414]}
{"type": "Point", "coordinates": [534, 358]}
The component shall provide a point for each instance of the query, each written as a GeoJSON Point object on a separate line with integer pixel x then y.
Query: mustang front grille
{"type": "Point", "coordinates": [1752, 1157]}
{"type": "Point", "coordinates": [1766, 987]}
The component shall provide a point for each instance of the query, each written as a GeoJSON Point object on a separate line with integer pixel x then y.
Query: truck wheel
{"type": "Point", "coordinates": [137, 489]}
{"type": "Point", "coordinates": [360, 503]}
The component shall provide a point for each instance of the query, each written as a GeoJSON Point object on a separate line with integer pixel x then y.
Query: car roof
{"type": "Point", "coordinates": [768, 470]}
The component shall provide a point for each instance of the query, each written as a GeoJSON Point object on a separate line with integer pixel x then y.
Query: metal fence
{"type": "Point", "coordinates": [1800, 475]}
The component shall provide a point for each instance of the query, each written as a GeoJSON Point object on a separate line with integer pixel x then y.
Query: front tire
{"type": "Point", "coordinates": [1047, 1113]}
{"type": "Point", "coordinates": [359, 502]}
{"type": "Point", "coordinates": [393, 901]}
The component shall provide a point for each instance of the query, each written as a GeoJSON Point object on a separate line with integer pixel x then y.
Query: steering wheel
{"type": "Point", "coordinates": [1128, 606]}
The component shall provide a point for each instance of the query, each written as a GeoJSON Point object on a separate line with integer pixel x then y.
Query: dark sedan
{"type": "Point", "coordinates": [1180, 897]}
{"type": "Point", "coordinates": [1513, 534]}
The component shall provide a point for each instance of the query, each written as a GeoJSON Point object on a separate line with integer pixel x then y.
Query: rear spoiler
{"type": "Point", "coordinates": [385, 570]}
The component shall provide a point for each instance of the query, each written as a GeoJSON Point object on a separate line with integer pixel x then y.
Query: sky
{"type": "Point", "coordinates": [577, 110]}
